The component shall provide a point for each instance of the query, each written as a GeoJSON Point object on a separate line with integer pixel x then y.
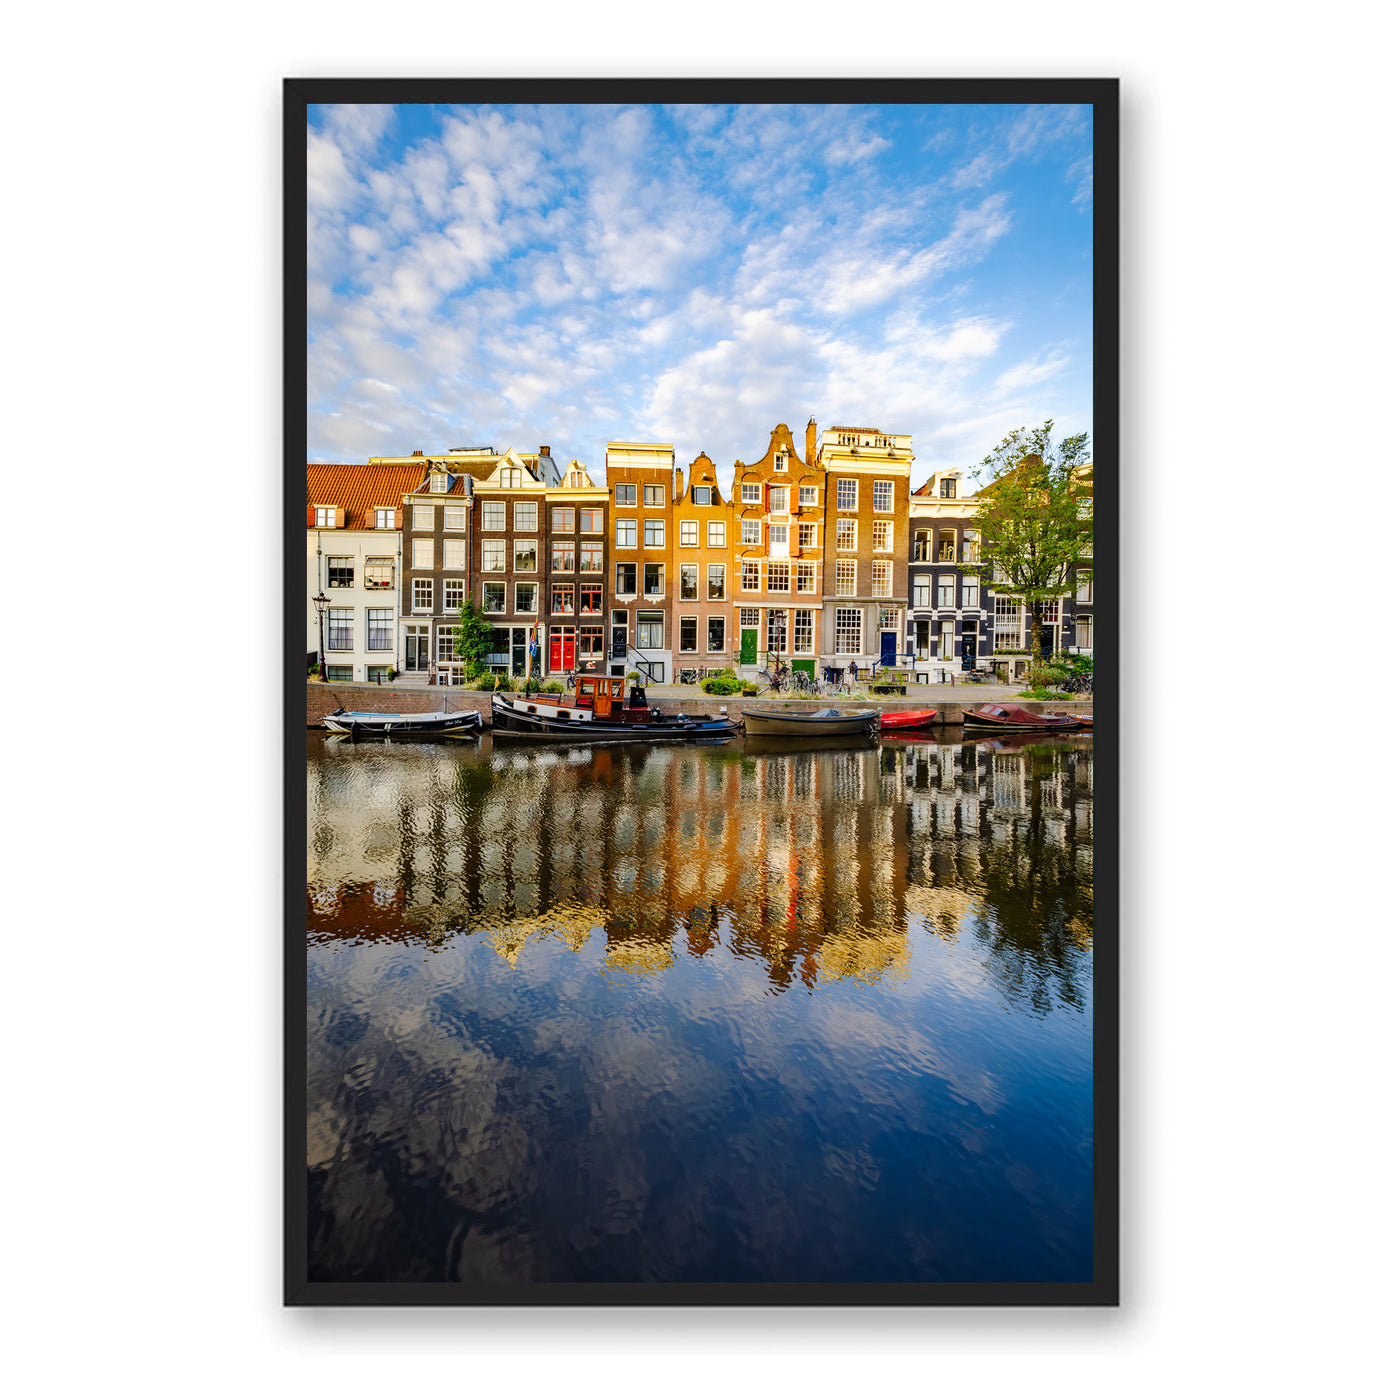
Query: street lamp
{"type": "Point", "coordinates": [322, 603]}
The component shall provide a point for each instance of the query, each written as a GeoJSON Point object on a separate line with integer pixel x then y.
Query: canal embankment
{"type": "Point", "coordinates": [324, 697]}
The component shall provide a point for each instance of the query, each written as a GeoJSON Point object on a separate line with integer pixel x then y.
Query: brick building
{"type": "Point", "coordinates": [948, 617]}
{"type": "Point", "coordinates": [701, 563]}
{"type": "Point", "coordinates": [642, 488]}
{"type": "Point", "coordinates": [578, 538]}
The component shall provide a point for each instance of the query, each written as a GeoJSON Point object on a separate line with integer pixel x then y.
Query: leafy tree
{"type": "Point", "coordinates": [472, 637]}
{"type": "Point", "coordinates": [1036, 518]}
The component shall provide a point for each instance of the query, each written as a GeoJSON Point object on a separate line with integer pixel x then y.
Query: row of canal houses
{"type": "Point", "coordinates": [822, 556]}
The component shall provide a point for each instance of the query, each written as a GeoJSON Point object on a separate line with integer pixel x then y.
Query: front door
{"type": "Point", "coordinates": [887, 648]}
{"type": "Point", "coordinates": [556, 652]}
{"type": "Point", "coordinates": [921, 640]}
{"type": "Point", "coordinates": [415, 652]}
{"type": "Point", "coordinates": [969, 644]}
{"type": "Point", "coordinates": [518, 638]}
{"type": "Point", "coordinates": [748, 646]}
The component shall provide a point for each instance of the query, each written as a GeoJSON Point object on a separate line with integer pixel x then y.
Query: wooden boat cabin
{"type": "Point", "coordinates": [603, 695]}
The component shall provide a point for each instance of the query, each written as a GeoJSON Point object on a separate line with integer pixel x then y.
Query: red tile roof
{"type": "Point", "coordinates": [358, 489]}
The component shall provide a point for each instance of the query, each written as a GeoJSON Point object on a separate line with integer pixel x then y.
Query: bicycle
{"type": "Point", "coordinates": [804, 683]}
{"type": "Point", "coordinates": [688, 676]}
{"type": "Point", "coordinates": [776, 679]}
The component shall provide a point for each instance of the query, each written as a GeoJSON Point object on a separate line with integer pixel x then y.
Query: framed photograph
{"type": "Point", "coordinates": [701, 779]}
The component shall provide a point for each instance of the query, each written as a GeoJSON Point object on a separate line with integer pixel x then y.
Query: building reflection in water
{"type": "Point", "coordinates": [819, 865]}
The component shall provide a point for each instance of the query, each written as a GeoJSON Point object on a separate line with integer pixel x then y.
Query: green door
{"type": "Point", "coordinates": [809, 666]}
{"type": "Point", "coordinates": [748, 646]}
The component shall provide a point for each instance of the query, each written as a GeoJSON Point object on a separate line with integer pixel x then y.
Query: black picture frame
{"type": "Point", "coordinates": [1102, 94]}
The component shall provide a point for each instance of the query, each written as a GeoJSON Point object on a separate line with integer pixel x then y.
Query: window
{"type": "Point", "coordinates": [651, 496]}
{"type": "Point", "coordinates": [423, 595]}
{"type": "Point", "coordinates": [780, 461]}
{"type": "Point", "coordinates": [945, 639]}
{"type": "Point", "coordinates": [1084, 593]}
{"type": "Point", "coordinates": [590, 641]}
{"type": "Point", "coordinates": [493, 556]}
{"type": "Point", "coordinates": [561, 520]}
{"type": "Point", "coordinates": [527, 597]}
{"type": "Point", "coordinates": [690, 634]}
{"type": "Point", "coordinates": [970, 589]}
{"type": "Point", "coordinates": [561, 558]}
{"type": "Point", "coordinates": [377, 675]}
{"type": "Point", "coordinates": [590, 598]}
{"type": "Point", "coordinates": [379, 573]}
{"type": "Point", "coordinates": [778, 578]}
{"type": "Point", "coordinates": [493, 515]}
{"type": "Point", "coordinates": [690, 532]}
{"type": "Point", "coordinates": [880, 531]}
{"type": "Point", "coordinates": [845, 493]}
{"type": "Point", "coordinates": [806, 495]}
{"type": "Point", "coordinates": [802, 631]}
{"type": "Point", "coordinates": [923, 546]}
{"type": "Point", "coordinates": [1084, 632]}
{"type": "Point", "coordinates": [527, 517]}
{"type": "Point", "coordinates": [513, 477]}
{"type": "Point", "coordinates": [340, 673]}
{"type": "Point", "coordinates": [590, 558]}
{"type": "Point", "coordinates": [654, 580]}
{"type": "Point", "coordinates": [751, 493]}
{"type": "Point", "coordinates": [422, 554]}
{"type": "Point", "coordinates": [778, 499]}
{"type": "Point", "coordinates": [454, 517]}
{"type": "Point", "coordinates": [778, 541]}
{"type": "Point", "coordinates": [626, 535]}
{"type": "Point", "coordinates": [654, 534]}
{"type": "Point", "coordinates": [525, 557]}
{"type": "Point", "coordinates": [340, 572]}
{"type": "Point", "coordinates": [590, 522]}
{"type": "Point", "coordinates": [700, 495]}
{"type": "Point", "coordinates": [748, 617]}
{"type": "Point", "coordinates": [806, 536]}
{"type": "Point", "coordinates": [845, 578]}
{"type": "Point", "coordinates": [325, 517]}
{"type": "Point", "coordinates": [921, 595]}
{"type": "Point", "coordinates": [626, 493]}
{"type": "Point", "coordinates": [651, 630]}
{"type": "Point", "coordinates": [716, 583]}
{"type": "Point", "coordinates": [453, 591]}
{"type": "Point", "coordinates": [948, 487]}
{"type": "Point", "coordinates": [714, 534]}
{"type": "Point", "coordinates": [848, 631]}
{"type": "Point", "coordinates": [1008, 633]}
{"type": "Point", "coordinates": [562, 598]}
{"type": "Point", "coordinates": [424, 517]}
{"type": "Point", "coordinates": [493, 597]}
{"type": "Point", "coordinates": [748, 577]}
{"type": "Point", "coordinates": [945, 590]}
{"type": "Point", "coordinates": [750, 532]}
{"type": "Point", "coordinates": [690, 581]}
{"type": "Point", "coordinates": [946, 540]}
{"type": "Point", "coordinates": [626, 580]}
{"type": "Point", "coordinates": [880, 579]}
{"type": "Point", "coordinates": [454, 554]}
{"type": "Point", "coordinates": [777, 630]}
{"type": "Point", "coordinates": [846, 534]}
{"type": "Point", "coordinates": [384, 518]}
{"type": "Point", "coordinates": [340, 629]}
{"type": "Point", "coordinates": [971, 547]}
{"type": "Point", "coordinates": [714, 634]}
{"type": "Point", "coordinates": [804, 578]}
{"type": "Point", "coordinates": [882, 496]}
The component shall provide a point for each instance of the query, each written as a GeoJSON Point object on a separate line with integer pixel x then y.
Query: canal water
{"type": "Point", "coordinates": [700, 1013]}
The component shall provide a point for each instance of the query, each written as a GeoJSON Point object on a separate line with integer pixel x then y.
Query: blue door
{"type": "Point", "coordinates": [887, 644]}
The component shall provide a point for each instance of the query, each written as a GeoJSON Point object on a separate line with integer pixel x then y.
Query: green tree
{"type": "Point", "coordinates": [472, 636]}
{"type": "Point", "coordinates": [1036, 518]}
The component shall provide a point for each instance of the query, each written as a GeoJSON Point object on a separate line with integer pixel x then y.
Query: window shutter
{"type": "Point", "coordinates": [398, 519]}
{"type": "Point", "coordinates": [310, 517]}
{"type": "Point", "coordinates": [340, 518]}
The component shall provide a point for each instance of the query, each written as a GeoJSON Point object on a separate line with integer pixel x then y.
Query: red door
{"type": "Point", "coordinates": [555, 641]}
{"type": "Point", "coordinates": [568, 652]}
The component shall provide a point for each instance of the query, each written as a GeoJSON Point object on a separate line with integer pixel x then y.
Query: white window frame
{"type": "Point", "coordinates": [804, 578]}
{"type": "Point", "coordinates": [454, 517]}
{"type": "Point", "coordinates": [858, 614]}
{"type": "Point", "coordinates": [779, 576]}
{"type": "Point", "coordinates": [882, 578]}
{"type": "Point", "coordinates": [592, 548]}
{"type": "Point", "coordinates": [847, 536]}
{"type": "Point", "coordinates": [878, 491]}
{"type": "Point", "coordinates": [921, 593]}
{"type": "Point", "coordinates": [947, 590]}
{"type": "Point", "coordinates": [625, 493]}
{"type": "Point", "coordinates": [527, 517]}
{"type": "Point", "coordinates": [486, 597]}
{"type": "Point", "coordinates": [807, 536]}
{"type": "Point", "coordinates": [847, 488]}
{"type": "Point", "coordinates": [749, 570]}
{"type": "Point", "coordinates": [423, 554]}
{"type": "Point", "coordinates": [384, 518]}
{"type": "Point", "coordinates": [340, 627]}
{"type": "Point", "coordinates": [748, 617]}
{"type": "Point", "coordinates": [536, 607]}
{"type": "Point", "coordinates": [457, 585]}
{"type": "Point", "coordinates": [454, 554]}
{"type": "Point", "coordinates": [806, 496]}
{"type": "Point", "coordinates": [709, 583]}
{"type": "Point", "coordinates": [692, 572]}
{"type": "Point", "coordinates": [421, 592]}
{"type": "Point", "coordinates": [334, 560]}
{"type": "Point", "coordinates": [751, 493]}
{"type": "Point", "coordinates": [325, 517]}
{"type": "Point", "coordinates": [653, 496]}
{"type": "Point", "coordinates": [845, 578]}
{"type": "Point", "coordinates": [777, 495]}
{"type": "Point", "coordinates": [520, 544]}
{"type": "Point", "coordinates": [653, 533]}
{"type": "Point", "coordinates": [714, 534]}
{"type": "Point", "coordinates": [680, 634]}
{"type": "Point", "coordinates": [493, 516]}
{"type": "Point", "coordinates": [751, 534]}
{"type": "Point", "coordinates": [495, 561]}
{"type": "Point", "coordinates": [882, 536]}
{"type": "Point", "coordinates": [710, 647]}
{"type": "Point", "coordinates": [650, 618]}
{"type": "Point", "coordinates": [690, 534]}
{"type": "Point", "coordinates": [971, 584]}
{"type": "Point", "coordinates": [804, 628]}
{"type": "Point", "coordinates": [628, 523]}
{"type": "Point", "coordinates": [424, 518]}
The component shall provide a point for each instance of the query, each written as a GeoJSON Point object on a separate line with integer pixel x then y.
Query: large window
{"type": "Point", "coordinates": [527, 517]}
{"type": "Point", "coordinates": [690, 582]}
{"type": "Point", "coordinates": [654, 580]}
{"type": "Point", "coordinates": [422, 595]}
{"type": "Point", "coordinates": [340, 572]}
{"type": "Point", "coordinates": [806, 495]}
{"type": "Point", "coordinates": [690, 634]}
{"type": "Point", "coordinates": [881, 578]}
{"type": "Point", "coordinates": [626, 535]}
{"type": "Point", "coordinates": [590, 598]}
{"type": "Point", "coordinates": [651, 496]}
{"type": "Point", "coordinates": [527, 597]}
{"type": "Point", "coordinates": [590, 522]}
{"type": "Point", "coordinates": [804, 578]}
{"type": "Point", "coordinates": [493, 556]}
{"type": "Point", "coordinates": [590, 641]}
{"type": "Point", "coordinates": [626, 580]}
{"type": "Point", "coordinates": [493, 597]}
{"type": "Point", "coordinates": [748, 577]}
{"type": "Point", "coordinates": [970, 589]}
{"type": "Point", "coordinates": [880, 532]}
{"type": "Point", "coordinates": [1008, 632]}
{"type": "Point", "coordinates": [807, 536]}
{"type": "Point", "coordinates": [526, 557]}
{"type": "Point", "coordinates": [453, 591]}
{"type": "Point", "coordinates": [846, 535]}
{"type": "Point", "coordinates": [848, 631]}
{"type": "Point", "coordinates": [493, 515]}
{"type": "Point", "coordinates": [971, 547]}
{"type": "Point", "coordinates": [379, 573]}
{"type": "Point", "coordinates": [716, 583]}
{"type": "Point", "coordinates": [778, 541]}
{"type": "Point", "coordinates": [778, 499]}
{"type": "Point", "coordinates": [802, 631]}
{"type": "Point", "coordinates": [446, 643]}
{"type": "Point", "coordinates": [561, 520]}
{"type": "Point", "coordinates": [715, 634]}
{"type": "Point", "coordinates": [654, 534]}
{"type": "Point", "coordinates": [340, 629]}
{"type": "Point", "coordinates": [921, 595]}
{"type": "Point", "coordinates": [454, 554]}
{"type": "Point", "coordinates": [946, 584]}
{"type": "Point", "coordinates": [561, 558]}
{"type": "Point", "coordinates": [778, 577]}
{"type": "Point", "coordinates": [690, 532]}
{"type": "Point", "coordinates": [777, 630]}
{"type": "Point", "coordinates": [845, 578]}
{"type": "Point", "coordinates": [423, 517]}
{"type": "Point", "coordinates": [454, 517]}
{"type": "Point", "coordinates": [626, 493]}
{"type": "Point", "coordinates": [751, 493]}
{"type": "Point", "coordinates": [1084, 592]}
{"type": "Point", "coordinates": [923, 547]}
{"type": "Point", "coordinates": [651, 630]}
{"type": "Point", "coordinates": [845, 493]}
{"type": "Point", "coordinates": [562, 598]}
{"type": "Point", "coordinates": [422, 554]}
{"type": "Point", "coordinates": [946, 541]}
{"type": "Point", "coordinates": [750, 533]}
{"type": "Point", "coordinates": [590, 558]}
{"type": "Point", "coordinates": [882, 496]}
{"type": "Point", "coordinates": [714, 536]}
{"type": "Point", "coordinates": [1084, 631]}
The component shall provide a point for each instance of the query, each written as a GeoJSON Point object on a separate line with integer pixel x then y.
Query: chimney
{"type": "Point", "coordinates": [544, 450]}
{"type": "Point", "coordinates": [811, 441]}
{"type": "Point", "coordinates": [418, 452]}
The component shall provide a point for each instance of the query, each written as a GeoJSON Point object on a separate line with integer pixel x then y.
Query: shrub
{"type": "Point", "coordinates": [552, 688]}
{"type": "Point", "coordinates": [633, 677]}
{"type": "Point", "coordinates": [721, 685]}
{"type": "Point", "coordinates": [750, 688]}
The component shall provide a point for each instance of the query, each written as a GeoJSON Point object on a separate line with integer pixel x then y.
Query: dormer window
{"type": "Point", "coordinates": [512, 477]}
{"type": "Point", "coordinates": [700, 495]}
{"type": "Point", "coordinates": [948, 487]}
{"type": "Point", "coordinates": [325, 517]}
{"type": "Point", "coordinates": [438, 482]}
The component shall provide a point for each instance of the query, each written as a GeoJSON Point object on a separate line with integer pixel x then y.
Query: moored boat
{"type": "Point", "coordinates": [823, 722]}
{"type": "Point", "coordinates": [1013, 718]}
{"type": "Point", "coordinates": [374, 724]}
{"type": "Point", "coordinates": [909, 719]}
{"type": "Point", "coordinates": [597, 713]}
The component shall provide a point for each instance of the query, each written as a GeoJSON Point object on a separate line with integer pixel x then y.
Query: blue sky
{"type": "Point", "coordinates": [696, 274]}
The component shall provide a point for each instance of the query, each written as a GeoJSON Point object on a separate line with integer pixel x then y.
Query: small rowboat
{"type": "Point", "coordinates": [373, 724]}
{"type": "Point", "coordinates": [822, 723]}
{"type": "Point", "coordinates": [909, 719]}
{"type": "Point", "coordinates": [1003, 718]}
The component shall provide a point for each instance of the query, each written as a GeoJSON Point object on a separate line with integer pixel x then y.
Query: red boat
{"type": "Point", "coordinates": [1002, 718]}
{"type": "Point", "coordinates": [909, 719]}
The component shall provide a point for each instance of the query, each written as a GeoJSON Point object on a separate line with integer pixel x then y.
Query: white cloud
{"type": "Point", "coordinates": [1033, 371]}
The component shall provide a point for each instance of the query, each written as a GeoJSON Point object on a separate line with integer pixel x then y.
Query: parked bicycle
{"type": "Point", "coordinates": [804, 683]}
{"type": "Point", "coordinates": [776, 679]}
{"type": "Point", "coordinates": [688, 676]}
